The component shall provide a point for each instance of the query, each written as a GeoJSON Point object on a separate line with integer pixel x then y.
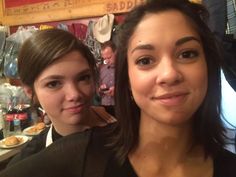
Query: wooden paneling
{"type": "Point", "coordinates": [57, 10]}
{"type": "Point", "coordinates": [1, 12]}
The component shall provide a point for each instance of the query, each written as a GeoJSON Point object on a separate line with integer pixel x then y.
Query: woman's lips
{"type": "Point", "coordinates": [74, 109]}
{"type": "Point", "coordinates": [171, 99]}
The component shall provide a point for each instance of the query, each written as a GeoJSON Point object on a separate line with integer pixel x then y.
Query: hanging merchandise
{"type": "Point", "coordinates": [13, 43]}
{"type": "Point", "coordinates": [2, 46]}
{"type": "Point", "coordinates": [63, 27]}
{"type": "Point", "coordinates": [103, 28]}
{"type": "Point", "coordinates": [92, 43]}
{"type": "Point", "coordinates": [4, 29]}
{"type": "Point", "coordinates": [10, 60]}
{"type": "Point", "coordinates": [44, 27]}
{"type": "Point", "coordinates": [80, 30]}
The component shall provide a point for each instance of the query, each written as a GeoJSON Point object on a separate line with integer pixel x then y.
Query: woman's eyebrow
{"type": "Point", "coordinates": [143, 46]}
{"type": "Point", "coordinates": [58, 76]}
{"type": "Point", "coordinates": [85, 71]}
{"type": "Point", "coordinates": [178, 42]}
{"type": "Point", "coordinates": [186, 39]}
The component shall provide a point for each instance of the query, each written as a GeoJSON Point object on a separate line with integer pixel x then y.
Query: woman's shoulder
{"type": "Point", "coordinates": [225, 164]}
{"type": "Point", "coordinates": [103, 114]}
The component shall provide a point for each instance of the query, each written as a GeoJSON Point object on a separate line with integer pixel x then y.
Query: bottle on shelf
{"type": "Point", "coordinates": [17, 127]}
{"type": "Point", "coordinates": [22, 115]}
{"type": "Point", "coordinates": [9, 119]}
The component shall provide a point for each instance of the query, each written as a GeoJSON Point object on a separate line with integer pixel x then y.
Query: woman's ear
{"type": "Point", "coordinates": [28, 91]}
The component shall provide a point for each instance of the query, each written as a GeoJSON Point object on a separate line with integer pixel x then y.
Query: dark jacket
{"type": "Point", "coordinates": [33, 146]}
{"type": "Point", "coordinates": [70, 156]}
{"type": "Point", "coordinates": [85, 155]}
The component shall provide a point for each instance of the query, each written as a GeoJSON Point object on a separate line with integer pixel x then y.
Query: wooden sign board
{"type": "Point", "coordinates": [56, 10]}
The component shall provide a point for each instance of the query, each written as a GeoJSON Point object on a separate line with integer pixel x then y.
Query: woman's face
{"type": "Point", "coordinates": [167, 68]}
{"type": "Point", "coordinates": [65, 89]}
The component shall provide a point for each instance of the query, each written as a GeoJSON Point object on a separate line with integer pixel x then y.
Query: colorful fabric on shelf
{"type": "Point", "coordinates": [80, 30]}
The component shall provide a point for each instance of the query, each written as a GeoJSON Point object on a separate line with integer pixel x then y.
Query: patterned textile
{"type": "Point", "coordinates": [92, 43]}
{"type": "Point", "coordinates": [80, 30]}
{"type": "Point", "coordinates": [231, 15]}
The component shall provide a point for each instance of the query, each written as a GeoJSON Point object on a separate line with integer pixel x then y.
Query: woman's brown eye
{"type": "Point", "coordinates": [53, 84]}
{"type": "Point", "coordinates": [189, 54]}
{"type": "Point", "coordinates": [144, 61]}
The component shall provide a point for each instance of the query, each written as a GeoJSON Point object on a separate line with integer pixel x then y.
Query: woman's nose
{"type": "Point", "coordinates": [72, 92]}
{"type": "Point", "coordinates": [168, 73]}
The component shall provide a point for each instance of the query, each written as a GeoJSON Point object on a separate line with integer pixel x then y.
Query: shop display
{"type": "Point", "coordinates": [13, 43]}
{"type": "Point", "coordinates": [15, 109]}
{"type": "Point", "coordinates": [92, 43]}
{"type": "Point", "coordinates": [80, 30]}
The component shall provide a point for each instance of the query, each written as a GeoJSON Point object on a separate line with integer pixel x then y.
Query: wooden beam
{"type": "Point", "coordinates": [1, 12]}
{"type": "Point", "coordinates": [58, 10]}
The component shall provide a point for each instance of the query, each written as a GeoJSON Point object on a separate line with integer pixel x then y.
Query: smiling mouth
{"type": "Point", "coordinates": [75, 109]}
{"type": "Point", "coordinates": [171, 99]}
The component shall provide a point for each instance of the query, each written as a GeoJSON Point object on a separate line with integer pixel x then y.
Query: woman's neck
{"type": "Point", "coordinates": [163, 149]}
{"type": "Point", "coordinates": [166, 141]}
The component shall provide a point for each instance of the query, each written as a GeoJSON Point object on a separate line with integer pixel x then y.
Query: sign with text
{"type": "Point", "coordinates": [17, 12]}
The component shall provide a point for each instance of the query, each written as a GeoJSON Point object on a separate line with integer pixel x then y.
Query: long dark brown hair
{"type": "Point", "coordinates": [208, 130]}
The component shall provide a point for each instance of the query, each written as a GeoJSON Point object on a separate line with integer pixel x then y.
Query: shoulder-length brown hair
{"type": "Point", "coordinates": [45, 47]}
